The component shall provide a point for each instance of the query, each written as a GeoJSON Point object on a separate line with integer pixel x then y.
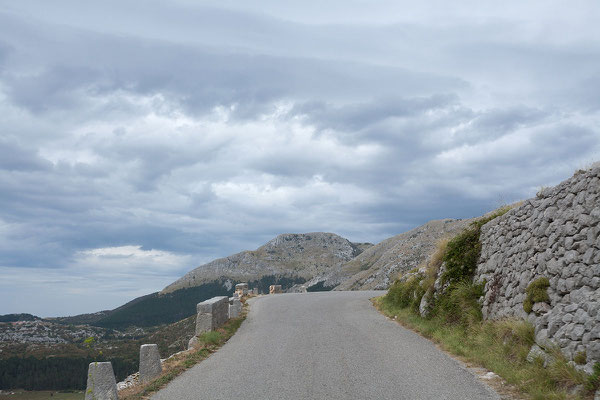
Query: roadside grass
{"type": "Point", "coordinates": [42, 394]}
{"type": "Point", "coordinates": [209, 342]}
{"type": "Point", "coordinates": [442, 304]}
{"type": "Point", "coordinates": [499, 346]}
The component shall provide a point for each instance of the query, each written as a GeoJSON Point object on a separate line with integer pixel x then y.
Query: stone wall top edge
{"type": "Point", "coordinates": [545, 194]}
{"type": "Point", "coordinates": [215, 299]}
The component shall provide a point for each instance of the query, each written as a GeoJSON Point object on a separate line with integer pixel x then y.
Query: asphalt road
{"type": "Point", "coordinates": [327, 345]}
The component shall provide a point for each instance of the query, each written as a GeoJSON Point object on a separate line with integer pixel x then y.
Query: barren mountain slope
{"type": "Point", "coordinates": [306, 256]}
{"type": "Point", "coordinates": [377, 267]}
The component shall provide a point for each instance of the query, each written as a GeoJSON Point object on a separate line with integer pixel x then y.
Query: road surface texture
{"type": "Point", "coordinates": [327, 345]}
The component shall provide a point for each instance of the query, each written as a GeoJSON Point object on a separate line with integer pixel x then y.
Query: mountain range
{"type": "Point", "coordinates": [317, 260]}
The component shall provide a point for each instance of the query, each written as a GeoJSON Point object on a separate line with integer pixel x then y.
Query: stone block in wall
{"type": "Point", "coordinates": [150, 365]}
{"type": "Point", "coordinates": [101, 383]}
{"type": "Point", "coordinates": [212, 314]}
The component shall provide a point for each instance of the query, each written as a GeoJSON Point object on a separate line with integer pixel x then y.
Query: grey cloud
{"type": "Point", "coordinates": [356, 116]}
{"type": "Point", "coordinates": [111, 136]}
{"type": "Point", "coordinates": [198, 76]}
{"type": "Point", "coordinates": [18, 158]}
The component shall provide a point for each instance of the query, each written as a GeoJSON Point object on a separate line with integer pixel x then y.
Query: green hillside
{"type": "Point", "coordinates": [159, 309]}
{"type": "Point", "coordinates": [155, 309]}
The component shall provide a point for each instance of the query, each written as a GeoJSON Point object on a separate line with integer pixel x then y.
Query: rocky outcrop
{"type": "Point", "coordinates": [553, 236]}
{"type": "Point", "coordinates": [378, 266]}
{"type": "Point", "coordinates": [310, 256]}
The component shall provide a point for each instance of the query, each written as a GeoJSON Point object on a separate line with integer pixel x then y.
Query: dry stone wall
{"type": "Point", "coordinates": [556, 236]}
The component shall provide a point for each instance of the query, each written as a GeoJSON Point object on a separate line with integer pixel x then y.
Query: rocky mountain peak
{"type": "Point", "coordinates": [302, 255]}
{"type": "Point", "coordinates": [319, 242]}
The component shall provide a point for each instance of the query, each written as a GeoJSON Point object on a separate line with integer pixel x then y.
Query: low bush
{"type": "Point", "coordinates": [537, 291]}
{"type": "Point", "coordinates": [593, 381]}
{"type": "Point", "coordinates": [460, 304]}
{"type": "Point", "coordinates": [463, 251]}
{"type": "Point", "coordinates": [406, 293]}
{"type": "Point", "coordinates": [211, 337]}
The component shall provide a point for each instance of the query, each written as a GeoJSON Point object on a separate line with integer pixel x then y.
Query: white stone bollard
{"type": "Point", "coordinates": [273, 289]}
{"type": "Point", "coordinates": [212, 314]}
{"type": "Point", "coordinates": [101, 383]}
{"type": "Point", "coordinates": [203, 323]}
{"type": "Point", "coordinates": [235, 307]}
{"type": "Point", "coordinates": [150, 366]}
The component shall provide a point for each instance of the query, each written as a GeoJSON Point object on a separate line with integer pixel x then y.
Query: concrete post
{"type": "Point", "coordinates": [235, 307]}
{"type": "Point", "coordinates": [211, 314]}
{"type": "Point", "coordinates": [203, 323]}
{"type": "Point", "coordinates": [101, 383]}
{"type": "Point", "coordinates": [150, 366]}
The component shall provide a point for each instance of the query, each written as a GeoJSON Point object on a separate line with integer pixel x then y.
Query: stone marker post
{"type": "Point", "coordinates": [212, 313]}
{"type": "Point", "coordinates": [235, 307]}
{"type": "Point", "coordinates": [101, 383]}
{"type": "Point", "coordinates": [273, 289]}
{"type": "Point", "coordinates": [241, 289]}
{"type": "Point", "coordinates": [150, 366]}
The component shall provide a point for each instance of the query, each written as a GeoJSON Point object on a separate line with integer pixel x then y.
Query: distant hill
{"type": "Point", "coordinates": [158, 309]}
{"type": "Point", "coordinates": [18, 317]}
{"type": "Point", "coordinates": [81, 319]}
{"type": "Point", "coordinates": [314, 257]}
{"type": "Point", "coordinates": [165, 308]}
{"type": "Point", "coordinates": [378, 266]}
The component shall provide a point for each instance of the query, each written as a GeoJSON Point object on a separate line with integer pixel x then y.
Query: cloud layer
{"type": "Point", "coordinates": [138, 142]}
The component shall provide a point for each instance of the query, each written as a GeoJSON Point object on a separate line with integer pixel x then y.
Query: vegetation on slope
{"type": "Point", "coordinates": [155, 309]}
{"type": "Point", "coordinates": [455, 321]}
{"type": "Point", "coordinates": [158, 309]}
{"type": "Point", "coordinates": [56, 373]}
{"type": "Point", "coordinates": [18, 317]}
{"type": "Point", "coordinates": [537, 292]}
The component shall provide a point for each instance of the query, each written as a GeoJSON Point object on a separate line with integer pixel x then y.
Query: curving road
{"type": "Point", "coordinates": [327, 345]}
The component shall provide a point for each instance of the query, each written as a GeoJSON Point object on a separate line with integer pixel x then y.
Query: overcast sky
{"type": "Point", "coordinates": [139, 140]}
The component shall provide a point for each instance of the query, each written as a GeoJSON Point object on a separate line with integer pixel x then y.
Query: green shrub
{"type": "Point", "coordinates": [593, 381]}
{"type": "Point", "coordinates": [537, 291]}
{"type": "Point", "coordinates": [406, 293]}
{"type": "Point", "coordinates": [462, 255]}
{"type": "Point", "coordinates": [462, 252]}
{"type": "Point", "coordinates": [459, 304]}
{"type": "Point", "coordinates": [210, 337]}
